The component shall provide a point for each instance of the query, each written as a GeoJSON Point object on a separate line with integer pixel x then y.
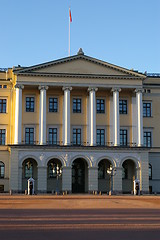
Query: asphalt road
{"type": "Point", "coordinates": [75, 224]}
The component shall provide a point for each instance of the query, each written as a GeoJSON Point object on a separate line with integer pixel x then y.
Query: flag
{"type": "Point", "coordinates": [70, 17]}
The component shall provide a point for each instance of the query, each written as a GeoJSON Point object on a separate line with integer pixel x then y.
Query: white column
{"type": "Point", "coordinates": [42, 115]}
{"type": "Point", "coordinates": [18, 114]}
{"type": "Point", "coordinates": [116, 138]}
{"type": "Point", "coordinates": [92, 115]}
{"type": "Point", "coordinates": [139, 105]}
{"type": "Point", "coordinates": [66, 116]}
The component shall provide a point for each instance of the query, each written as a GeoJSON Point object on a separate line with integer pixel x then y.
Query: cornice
{"type": "Point", "coordinates": [74, 75]}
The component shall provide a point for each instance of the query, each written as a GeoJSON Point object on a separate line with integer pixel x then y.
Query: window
{"type": "Point", "coordinates": [54, 169]}
{"type": "Point", "coordinates": [53, 105]}
{"type": "Point", "coordinates": [2, 136]}
{"type": "Point", "coordinates": [0, 86]}
{"type": "Point", "coordinates": [4, 86]}
{"type": "Point", "coordinates": [150, 171]}
{"type": "Point", "coordinates": [29, 135]}
{"type": "Point", "coordinates": [52, 135]}
{"type": "Point", "coordinates": [76, 105]}
{"type": "Point", "coordinates": [147, 139]}
{"type": "Point", "coordinates": [28, 169]}
{"type": "Point", "coordinates": [123, 106]}
{"type": "Point", "coordinates": [3, 105]}
{"type": "Point", "coordinates": [123, 137]}
{"type": "Point", "coordinates": [76, 136]}
{"type": "Point", "coordinates": [100, 137]}
{"type": "Point", "coordinates": [1, 170]}
{"type": "Point", "coordinates": [100, 106]}
{"type": "Point", "coordinates": [29, 104]}
{"type": "Point", "coordinates": [147, 109]}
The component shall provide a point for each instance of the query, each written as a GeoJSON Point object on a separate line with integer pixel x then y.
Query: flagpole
{"type": "Point", "coordinates": [69, 36]}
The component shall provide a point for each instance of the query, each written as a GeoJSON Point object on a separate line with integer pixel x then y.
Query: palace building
{"type": "Point", "coordinates": [82, 123]}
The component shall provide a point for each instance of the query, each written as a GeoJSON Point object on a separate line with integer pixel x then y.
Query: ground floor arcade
{"type": "Point", "coordinates": [78, 170]}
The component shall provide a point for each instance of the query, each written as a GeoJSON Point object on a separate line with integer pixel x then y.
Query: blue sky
{"type": "Point", "coordinates": [122, 32]}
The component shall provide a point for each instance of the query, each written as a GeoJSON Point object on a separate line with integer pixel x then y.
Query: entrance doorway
{"type": "Point", "coordinates": [128, 176]}
{"type": "Point", "coordinates": [79, 176]}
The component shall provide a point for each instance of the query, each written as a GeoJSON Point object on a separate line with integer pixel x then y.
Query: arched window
{"type": "Point", "coordinates": [54, 169]}
{"type": "Point", "coordinates": [28, 169]}
{"type": "Point", "coordinates": [2, 170]}
{"type": "Point", "coordinates": [150, 171]}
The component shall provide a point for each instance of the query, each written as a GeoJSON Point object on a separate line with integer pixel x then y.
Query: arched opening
{"type": "Point", "coordinates": [104, 179]}
{"type": "Point", "coordinates": [79, 176]}
{"type": "Point", "coordinates": [29, 169]}
{"type": "Point", "coordinates": [54, 175]}
{"type": "Point", "coordinates": [128, 175]}
{"type": "Point", "coordinates": [2, 169]}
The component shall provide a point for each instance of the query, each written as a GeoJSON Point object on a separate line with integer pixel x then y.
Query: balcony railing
{"type": "Point", "coordinates": [81, 144]}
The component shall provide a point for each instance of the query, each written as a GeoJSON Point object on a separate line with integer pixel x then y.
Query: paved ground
{"type": "Point", "coordinates": [79, 217]}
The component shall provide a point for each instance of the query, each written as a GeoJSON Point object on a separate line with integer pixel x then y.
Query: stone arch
{"type": "Point", "coordinates": [29, 168]}
{"type": "Point", "coordinates": [110, 159]}
{"type": "Point", "coordinates": [135, 160]}
{"type": "Point", "coordinates": [80, 167]}
{"type": "Point", "coordinates": [87, 159]}
{"type": "Point", "coordinates": [63, 162]}
{"type": "Point", "coordinates": [54, 167]}
{"type": "Point", "coordinates": [27, 157]}
{"type": "Point", "coordinates": [104, 179]}
{"type": "Point", "coordinates": [129, 166]}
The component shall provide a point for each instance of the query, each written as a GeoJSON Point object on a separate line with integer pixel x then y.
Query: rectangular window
{"type": "Point", "coordinates": [53, 136]}
{"type": "Point", "coordinates": [76, 105]}
{"type": "Point", "coordinates": [147, 109]}
{"type": "Point", "coordinates": [123, 137]}
{"type": "Point", "coordinates": [3, 105]}
{"type": "Point", "coordinates": [101, 137]}
{"type": "Point", "coordinates": [2, 136]}
{"type": "Point", "coordinates": [122, 106]}
{"type": "Point", "coordinates": [53, 105]}
{"type": "Point", "coordinates": [76, 136]}
{"type": "Point", "coordinates": [147, 139]}
{"type": "Point", "coordinates": [29, 135]}
{"type": "Point", "coordinates": [29, 104]}
{"type": "Point", "coordinates": [100, 106]}
{"type": "Point", "coordinates": [4, 86]}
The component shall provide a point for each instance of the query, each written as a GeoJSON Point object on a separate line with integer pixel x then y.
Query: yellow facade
{"type": "Point", "coordinates": [79, 72]}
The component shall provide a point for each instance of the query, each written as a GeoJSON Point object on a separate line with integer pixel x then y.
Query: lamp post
{"type": "Point", "coordinates": [57, 170]}
{"type": "Point", "coordinates": [111, 172]}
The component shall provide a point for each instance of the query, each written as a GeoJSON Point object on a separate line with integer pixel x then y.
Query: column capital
{"type": "Point", "coordinates": [92, 89]}
{"type": "Point", "coordinates": [42, 87]}
{"type": "Point", "coordinates": [67, 88]}
{"type": "Point", "coordinates": [139, 90]}
{"type": "Point", "coordinates": [116, 89]}
{"type": "Point", "coordinates": [20, 86]}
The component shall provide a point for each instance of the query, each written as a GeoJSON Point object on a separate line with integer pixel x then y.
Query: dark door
{"type": "Point", "coordinates": [78, 176]}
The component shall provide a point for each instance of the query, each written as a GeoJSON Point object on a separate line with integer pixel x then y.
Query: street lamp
{"type": "Point", "coordinates": [57, 170]}
{"type": "Point", "coordinates": [111, 172]}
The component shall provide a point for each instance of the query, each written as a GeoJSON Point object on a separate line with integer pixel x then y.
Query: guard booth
{"type": "Point", "coordinates": [30, 186]}
{"type": "Point", "coordinates": [136, 187]}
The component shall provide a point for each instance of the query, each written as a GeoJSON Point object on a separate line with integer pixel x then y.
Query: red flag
{"type": "Point", "coordinates": [70, 17]}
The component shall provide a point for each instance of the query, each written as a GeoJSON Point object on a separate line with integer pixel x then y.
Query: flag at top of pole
{"type": "Point", "coordinates": [70, 16]}
{"type": "Point", "coordinates": [70, 20]}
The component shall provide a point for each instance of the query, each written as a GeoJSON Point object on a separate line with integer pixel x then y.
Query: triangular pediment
{"type": "Point", "coordinates": [78, 65]}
